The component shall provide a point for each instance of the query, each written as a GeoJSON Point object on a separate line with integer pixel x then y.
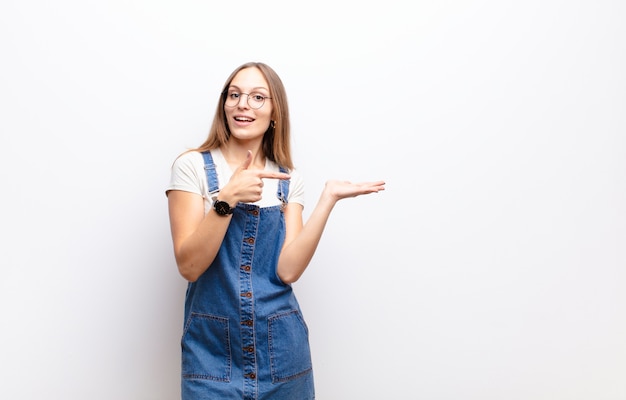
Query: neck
{"type": "Point", "coordinates": [235, 154]}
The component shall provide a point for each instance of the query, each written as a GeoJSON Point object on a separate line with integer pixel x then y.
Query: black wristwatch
{"type": "Point", "coordinates": [222, 208]}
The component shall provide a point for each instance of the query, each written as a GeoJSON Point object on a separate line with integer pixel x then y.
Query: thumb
{"type": "Point", "coordinates": [246, 163]}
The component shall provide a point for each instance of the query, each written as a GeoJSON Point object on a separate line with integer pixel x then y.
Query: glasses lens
{"type": "Point", "coordinates": [255, 100]}
{"type": "Point", "coordinates": [232, 99]}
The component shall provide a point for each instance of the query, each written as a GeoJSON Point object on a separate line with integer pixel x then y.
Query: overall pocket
{"type": "Point", "coordinates": [290, 354]}
{"type": "Point", "coordinates": [206, 350]}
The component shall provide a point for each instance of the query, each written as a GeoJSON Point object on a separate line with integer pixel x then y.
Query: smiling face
{"type": "Point", "coordinates": [248, 87]}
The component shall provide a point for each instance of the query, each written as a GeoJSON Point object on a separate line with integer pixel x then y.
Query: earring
{"type": "Point", "coordinates": [272, 124]}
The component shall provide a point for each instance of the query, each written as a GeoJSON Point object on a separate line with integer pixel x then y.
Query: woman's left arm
{"type": "Point", "coordinates": [301, 240]}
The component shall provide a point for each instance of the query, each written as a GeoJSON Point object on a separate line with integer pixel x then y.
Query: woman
{"type": "Point", "coordinates": [235, 206]}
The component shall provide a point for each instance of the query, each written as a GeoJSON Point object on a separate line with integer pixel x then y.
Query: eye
{"type": "Point", "coordinates": [233, 95]}
{"type": "Point", "coordinates": [257, 97]}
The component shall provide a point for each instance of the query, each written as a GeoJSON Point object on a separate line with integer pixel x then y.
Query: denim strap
{"type": "Point", "coordinates": [283, 187]}
{"type": "Point", "coordinates": [211, 175]}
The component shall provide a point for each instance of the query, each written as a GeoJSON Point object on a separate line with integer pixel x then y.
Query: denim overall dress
{"type": "Point", "coordinates": [244, 336]}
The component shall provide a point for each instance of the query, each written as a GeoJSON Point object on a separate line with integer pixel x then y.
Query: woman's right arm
{"type": "Point", "coordinates": [196, 237]}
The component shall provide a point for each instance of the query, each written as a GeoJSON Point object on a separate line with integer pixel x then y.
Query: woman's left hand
{"type": "Point", "coordinates": [343, 189]}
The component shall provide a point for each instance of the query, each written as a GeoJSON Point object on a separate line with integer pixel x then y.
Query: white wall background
{"type": "Point", "coordinates": [492, 268]}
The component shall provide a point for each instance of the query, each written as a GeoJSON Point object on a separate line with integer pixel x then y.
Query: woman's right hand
{"type": "Point", "coordinates": [246, 185]}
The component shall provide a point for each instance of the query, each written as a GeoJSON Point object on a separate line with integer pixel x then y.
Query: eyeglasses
{"type": "Point", "coordinates": [254, 100]}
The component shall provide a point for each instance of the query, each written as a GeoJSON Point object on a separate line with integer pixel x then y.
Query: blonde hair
{"type": "Point", "coordinates": [277, 139]}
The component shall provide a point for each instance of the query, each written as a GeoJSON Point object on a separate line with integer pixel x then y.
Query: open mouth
{"type": "Point", "coordinates": [243, 119]}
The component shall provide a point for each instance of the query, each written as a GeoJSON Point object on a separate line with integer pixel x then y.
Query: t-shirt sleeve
{"type": "Point", "coordinates": [296, 188]}
{"type": "Point", "coordinates": [185, 175]}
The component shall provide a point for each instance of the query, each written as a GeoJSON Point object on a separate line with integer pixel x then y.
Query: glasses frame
{"type": "Point", "coordinates": [225, 93]}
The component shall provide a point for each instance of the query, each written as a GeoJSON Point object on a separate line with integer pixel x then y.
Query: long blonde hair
{"type": "Point", "coordinates": [277, 139]}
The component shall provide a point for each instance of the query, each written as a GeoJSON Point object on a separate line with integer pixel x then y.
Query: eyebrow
{"type": "Point", "coordinates": [253, 89]}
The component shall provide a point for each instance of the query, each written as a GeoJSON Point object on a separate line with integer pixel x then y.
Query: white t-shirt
{"type": "Point", "coordinates": [188, 175]}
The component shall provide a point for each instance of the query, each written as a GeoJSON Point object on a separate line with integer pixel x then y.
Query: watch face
{"type": "Point", "coordinates": [222, 208]}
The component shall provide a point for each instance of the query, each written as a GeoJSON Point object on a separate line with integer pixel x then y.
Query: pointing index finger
{"type": "Point", "coordinates": [274, 175]}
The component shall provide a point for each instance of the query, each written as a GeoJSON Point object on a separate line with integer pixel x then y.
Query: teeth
{"type": "Point", "coordinates": [243, 119]}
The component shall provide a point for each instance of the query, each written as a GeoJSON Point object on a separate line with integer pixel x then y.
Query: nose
{"type": "Point", "coordinates": [241, 103]}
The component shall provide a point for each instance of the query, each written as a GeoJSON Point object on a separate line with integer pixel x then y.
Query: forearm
{"type": "Point", "coordinates": [195, 254]}
{"type": "Point", "coordinates": [297, 254]}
